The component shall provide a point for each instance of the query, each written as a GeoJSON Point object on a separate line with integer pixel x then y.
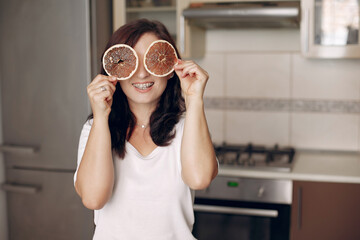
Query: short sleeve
{"type": "Point", "coordinates": [180, 127]}
{"type": "Point", "coordinates": [180, 132]}
{"type": "Point", "coordinates": [84, 135]}
{"type": "Point", "coordinates": [178, 139]}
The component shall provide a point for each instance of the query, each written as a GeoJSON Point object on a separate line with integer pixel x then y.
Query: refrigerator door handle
{"type": "Point", "coordinates": [20, 188]}
{"type": "Point", "coordinates": [9, 148]}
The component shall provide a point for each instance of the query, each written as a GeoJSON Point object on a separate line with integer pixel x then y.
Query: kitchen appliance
{"type": "Point", "coordinates": [256, 157]}
{"type": "Point", "coordinates": [195, 17]}
{"type": "Point", "coordinates": [244, 14]}
{"type": "Point", "coordinates": [330, 28]}
{"type": "Point", "coordinates": [45, 67]}
{"type": "Point", "coordinates": [234, 207]}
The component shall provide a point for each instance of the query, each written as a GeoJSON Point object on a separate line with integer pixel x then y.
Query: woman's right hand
{"type": "Point", "coordinates": [100, 92]}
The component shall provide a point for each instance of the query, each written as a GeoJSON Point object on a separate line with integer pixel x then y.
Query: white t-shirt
{"type": "Point", "coordinates": [150, 199]}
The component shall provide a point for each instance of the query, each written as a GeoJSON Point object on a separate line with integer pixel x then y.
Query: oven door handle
{"type": "Point", "coordinates": [236, 211]}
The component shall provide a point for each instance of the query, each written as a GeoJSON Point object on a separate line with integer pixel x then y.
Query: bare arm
{"type": "Point", "coordinates": [95, 177]}
{"type": "Point", "coordinates": [199, 165]}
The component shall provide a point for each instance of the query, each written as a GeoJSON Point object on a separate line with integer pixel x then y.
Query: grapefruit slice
{"type": "Point", "coordinates": [120, 61]}
{"type": "Point", "coordinates": [160, 58]}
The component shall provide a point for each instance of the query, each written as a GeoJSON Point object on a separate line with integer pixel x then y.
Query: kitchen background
{"type": "Point", "coordinates": [263, 90]}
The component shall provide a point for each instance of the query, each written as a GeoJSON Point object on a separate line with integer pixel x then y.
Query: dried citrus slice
{"type": "Point", "coordinates": [160, 58]}
{"type": "Point", "coordinates": [120, 61]}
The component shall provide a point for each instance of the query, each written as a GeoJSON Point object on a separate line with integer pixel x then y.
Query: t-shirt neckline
{"type": "Point", "coordinates": [138, 154]}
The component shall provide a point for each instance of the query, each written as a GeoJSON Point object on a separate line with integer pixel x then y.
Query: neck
{"type": "Point", "coordinates": [143, 126]}
{"type": "Point", "coordinates": [142, 113]}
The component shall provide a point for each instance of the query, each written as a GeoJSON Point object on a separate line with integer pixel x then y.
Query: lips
{"type": "Point", "coordinates": [143, 86]}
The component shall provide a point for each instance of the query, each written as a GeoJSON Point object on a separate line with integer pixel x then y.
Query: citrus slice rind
{"type": "Point", "coordinates": [160, 58]}
{"type": "Point", "coordinates": [121, 61]}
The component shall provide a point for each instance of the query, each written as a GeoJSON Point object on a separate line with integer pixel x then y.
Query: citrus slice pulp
{"type": "Point", "coordinates": [160, 58]}
{"type": "Point", "coordinates": [121, 61]}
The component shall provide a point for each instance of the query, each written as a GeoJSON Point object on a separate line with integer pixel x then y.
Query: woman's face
{"type": "Point", "coordinates": [142, 87]}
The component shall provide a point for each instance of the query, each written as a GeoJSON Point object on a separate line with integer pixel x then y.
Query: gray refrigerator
{"type": "Point", "coordinates": [49, 51]}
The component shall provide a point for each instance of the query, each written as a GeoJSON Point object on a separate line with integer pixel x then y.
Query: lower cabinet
{"type": "Point", "coordinates": [325, 211]}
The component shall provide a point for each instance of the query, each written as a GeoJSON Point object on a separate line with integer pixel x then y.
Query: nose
{"type": "Point", "coordinates": [141, 71]}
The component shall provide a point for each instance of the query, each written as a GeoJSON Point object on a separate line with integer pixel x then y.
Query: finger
{"type": "Point", "coordinates": [102, 88]}
{"type": "Point", "coordinates": [188, 68]}
{"type": "Point", "coordinates": [102, 96]}
{"type": "Point", "coordinates": [107, 87]}
{"type": "Point", "coordinates": [179, 65]}
{"type": "Point", "coordinates": [182, 64]}
{"type": "Point", "coordinates": [178, 62]}
{"type": "Point", "coordinates": [185, 66]}
{"type": "Point", "coordinates": [191, 70]}
{"type": "Point", "coordinates": [180, 69]}
{"type": "Point", "coordinates": [103, 82]}
{"type": "Point", "coordinates": [197, 70]}
{"type": "Point", "coordinates": [110, 85]}
{"type": "Point", "coordinates": [101, 77]}
{"type": "Point", "coordinates": [108, 96]}
{"type": "Point", "coordinates": [114, 83]}
{"type": "Point", "coordinates": [92, 93]}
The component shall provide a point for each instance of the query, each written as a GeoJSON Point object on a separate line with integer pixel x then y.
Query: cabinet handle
{"type": "Point", "coordinates": [182, 34]}
{"type": "Point", "coordinates": [299, 208]}
{"type": "Point", "coordinates": [20, 188]}
{"type": "Point", "coordinates": [17, 149]}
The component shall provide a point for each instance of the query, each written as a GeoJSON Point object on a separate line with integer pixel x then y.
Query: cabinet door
{"type": "Point", "coordinates": [163, 11]}
{"type": "Point", "coordinates": [330, 28]}
{"type": "Point", "coordinates": [44, 73]}
{"type": "Point", "coordinates": [325, 211]}
{"type": "Point", "coordinates": [43, 205]}
{"type": "Point", "coordinates": [190, 40]}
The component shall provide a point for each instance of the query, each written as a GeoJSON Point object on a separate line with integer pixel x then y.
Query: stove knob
{"type": "Point", "coordinates": [261, 191]}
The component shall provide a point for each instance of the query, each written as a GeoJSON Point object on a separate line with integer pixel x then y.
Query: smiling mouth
{"type": "Point", "coordinates": [143, 86]}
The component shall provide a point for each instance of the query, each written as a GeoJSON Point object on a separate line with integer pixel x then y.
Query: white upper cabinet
{"type": "Point", "coordinates": [190, 41]}
{"type": "Point", "coordinates": [330, 28]}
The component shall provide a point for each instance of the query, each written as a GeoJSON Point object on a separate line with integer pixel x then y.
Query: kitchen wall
{"type": "Point", "coordinates": [261, 90]}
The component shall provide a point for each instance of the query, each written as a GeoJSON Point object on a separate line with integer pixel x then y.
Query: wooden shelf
{"type": "Point", "coordinates": [151, 9]}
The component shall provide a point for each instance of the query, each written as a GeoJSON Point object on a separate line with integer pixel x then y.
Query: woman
{"type": "Point", "coordinates": [140, 157]}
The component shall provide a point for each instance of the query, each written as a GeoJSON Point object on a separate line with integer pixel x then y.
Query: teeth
{"type": "Point", "coordinates": [142, 86]}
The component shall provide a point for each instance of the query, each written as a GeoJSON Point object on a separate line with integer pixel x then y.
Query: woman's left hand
{"type": "Point", "coordinates": [192, 78]}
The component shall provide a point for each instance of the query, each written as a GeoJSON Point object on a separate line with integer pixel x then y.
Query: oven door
{"type": "Point", "coordinates": [230, 220]}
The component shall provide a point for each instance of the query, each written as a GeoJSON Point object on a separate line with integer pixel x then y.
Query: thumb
{"type": "Point", "coordinates": [178, 73]}
{"type": "Point", "coordinates": [179, 68]}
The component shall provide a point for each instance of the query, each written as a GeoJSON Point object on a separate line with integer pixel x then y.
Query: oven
{"type": "Point", "coordinates": [235, 207]}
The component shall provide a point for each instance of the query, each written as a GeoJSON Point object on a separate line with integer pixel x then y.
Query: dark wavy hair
{"type": "Point", "coordinates": [170, 107]}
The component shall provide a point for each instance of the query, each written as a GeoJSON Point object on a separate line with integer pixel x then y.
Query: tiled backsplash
{"type": "Point", "coordinates": [261, 90]}
{"type": "Point", "coordinates": [280, 105]}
